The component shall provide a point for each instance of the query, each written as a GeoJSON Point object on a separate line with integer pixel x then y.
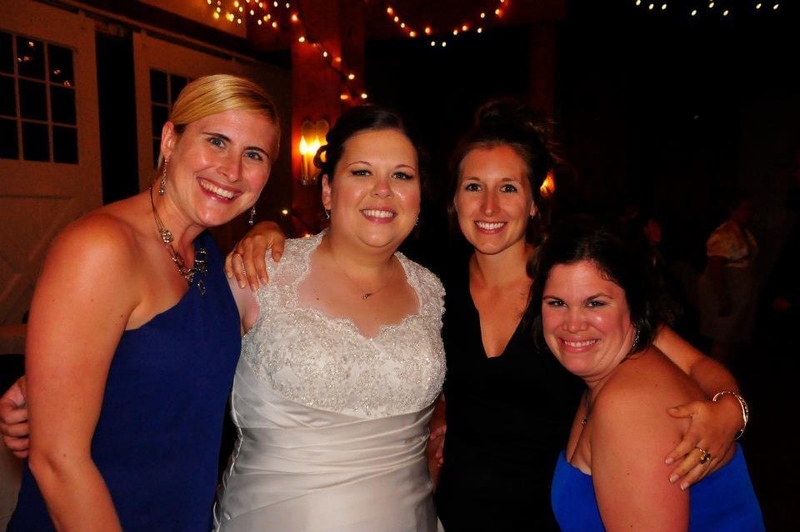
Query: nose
{"type": "Point", "coordinates": [383, 187]}
{"type": "Point", "coordinates": [231, 167]}
{"type": "Point", "coordinates": [573, 320]}
{"type": "Point", "coordinates": [489, 204]}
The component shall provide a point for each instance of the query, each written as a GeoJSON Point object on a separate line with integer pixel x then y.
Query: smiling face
{"type": "Point", "coordinates": [493, 199]}
{"type": "Point", "coordinates": [375, 191]}
{"type": "Point", "coordinates": [220, 163]}
{"type": "Point", "coordinates": [586, 320]}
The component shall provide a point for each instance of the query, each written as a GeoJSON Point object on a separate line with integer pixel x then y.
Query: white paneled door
{"type": "Point", "coordinates": [49, 150]}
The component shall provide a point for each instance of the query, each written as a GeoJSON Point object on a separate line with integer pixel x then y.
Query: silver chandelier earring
{"type": "Point", "coordinates": [162, 185]}
{"type": "Point", "coordinates": [252, 219]}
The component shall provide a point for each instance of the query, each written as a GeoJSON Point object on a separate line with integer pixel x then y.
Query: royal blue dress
{"type": "Point", "coordinates": [157, 441]}
{"type": "Point", "coordinates": [724, 501]}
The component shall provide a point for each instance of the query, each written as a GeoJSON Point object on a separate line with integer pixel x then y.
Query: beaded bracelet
{"type": "Point", "coordinates": [742, 404]}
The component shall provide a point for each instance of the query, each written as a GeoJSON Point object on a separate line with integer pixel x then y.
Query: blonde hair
{"type": "Point", "coordinates": [217, 93]}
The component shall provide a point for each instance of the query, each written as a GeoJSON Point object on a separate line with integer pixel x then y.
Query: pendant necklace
{"type": "Point", "coordinates": [365, 295]}
{"type": "Point", "coordinates": [200, 256]}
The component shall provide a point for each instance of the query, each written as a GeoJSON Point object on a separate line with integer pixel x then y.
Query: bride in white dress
{"type": "Point", "coordinates": [343, 358]}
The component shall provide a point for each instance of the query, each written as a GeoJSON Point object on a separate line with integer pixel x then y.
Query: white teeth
{"type": "Point", "coordinates": [490, 226]}
{"type": "Point", "coordinates": [585, 343]}
{"type": "Point", "coordinates": [217, 190]}
{"type": "Point", "coordinates": [375, 213]}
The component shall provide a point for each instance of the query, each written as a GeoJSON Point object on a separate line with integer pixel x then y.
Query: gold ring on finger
{"type": "Point", "coordinates": [705, 456]}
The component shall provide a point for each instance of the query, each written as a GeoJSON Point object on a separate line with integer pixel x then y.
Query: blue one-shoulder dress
{"type": "Point", "coordinates": [157, 441]}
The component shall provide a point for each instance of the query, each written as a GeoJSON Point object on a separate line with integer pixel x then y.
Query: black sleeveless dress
{"type": "Point", "coordinates": [508, 417]}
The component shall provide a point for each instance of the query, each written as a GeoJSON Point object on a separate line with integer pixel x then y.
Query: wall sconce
{"type": "Point", "coordinates": [548, 186]}
{"type": "Point", "coordinates": [312, 135]}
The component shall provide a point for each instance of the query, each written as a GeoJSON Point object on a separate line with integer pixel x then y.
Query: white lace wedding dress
{"type": "Point", "coordinates": [332, 425]}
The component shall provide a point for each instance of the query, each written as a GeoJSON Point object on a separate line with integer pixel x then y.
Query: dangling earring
{"type": "Point", "coordinates": [251, 221]}
{"type": "Point", "coordinates": [327, 214]}
{"type": "Point", "coordinates": [162, 185]}
{"type": "Point", "coordinates": [635, 339]}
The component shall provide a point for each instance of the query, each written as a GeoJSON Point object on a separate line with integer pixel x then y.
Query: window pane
{"type": "Point", "coordinates": [7, 97]}
{"type": "Point", "coordinates": [32, 100]}
{"type": "Point", "coordinates": [160, 116]}
{"type": "Point", "coordinates": [30, 56]}
{"type": "Point", "coordinates": [177, 83]}
{"type": "Point", "coordinates": [61, 71]}
{"type": "Point", "coordinates": [8, 132]}
{"type": "Point", "coordinates": [158, 87]}
{"type": "Point", "coordinates": [62, 102]}
{"type": "Point", "coordinates": [6, 53]}
{"type": "Point", "coordinates": [65, 144]}
{"type": "Point", "coordinates": [35, 144]}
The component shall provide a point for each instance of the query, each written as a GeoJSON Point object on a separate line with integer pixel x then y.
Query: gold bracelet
{"type": "Point", "coordinates": [742, 404]}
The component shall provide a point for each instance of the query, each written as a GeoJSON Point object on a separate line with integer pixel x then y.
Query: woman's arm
{"type": "Point", "coordinates": [627, 441]}
{"type": "Point", "coordinates": [437, 426]}
{"type": "Point", "coordinates": [14, 424]}
{"type": "Point", "coordinates": [247, 304]}
{"type": "Point", "coordinates": [709, 374]}
{"type": "Point", "coordinates": [247, 262]}
{"type": "Point", "coordinates": [83, 300]}
{"type": "Point", "coordinates": [714, 424]}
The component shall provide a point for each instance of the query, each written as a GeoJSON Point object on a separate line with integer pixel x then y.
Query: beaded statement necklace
{"type": "Point", "coordinates": [200, 256]}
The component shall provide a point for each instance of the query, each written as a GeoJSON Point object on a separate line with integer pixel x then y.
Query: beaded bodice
{"type": "Point", "coordinates": [326, 363]}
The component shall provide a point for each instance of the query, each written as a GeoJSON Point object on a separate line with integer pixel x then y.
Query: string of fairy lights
{"type": "Point", "coordinates": [475, 24]}
{"type": "Point", "coordinates": [279, 15]}
{"type": "Point", "coordinates": [708, 8]}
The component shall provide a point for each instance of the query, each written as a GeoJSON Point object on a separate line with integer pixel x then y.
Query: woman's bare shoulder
{"type": "Point", "coordinates": [644, 386]}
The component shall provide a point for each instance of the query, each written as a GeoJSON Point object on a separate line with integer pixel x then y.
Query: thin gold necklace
{"type": "Point", "coordinates": [200, 256]}
{"type": "Point", "coordinates": [365, 295]}
{"type": "Point", "coordinates": [585, 419]}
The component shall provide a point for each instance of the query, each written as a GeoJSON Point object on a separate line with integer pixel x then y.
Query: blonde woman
{"type": "Point", "coordinates": [134, 334]}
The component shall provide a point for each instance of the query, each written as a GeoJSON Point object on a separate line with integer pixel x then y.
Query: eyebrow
{"type": "Point", "coordinates": [587, 298]}
{"type": "Point", "coordinates": [504, 179]}
{"type": "Point", "coordinates": [370, 164]}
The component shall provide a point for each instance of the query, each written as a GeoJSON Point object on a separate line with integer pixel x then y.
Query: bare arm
{"type": "Point", "coordinates": [438, 427]}
{"type": "Point", "coordinates": [627, 443]}
{"type": "Point", "coordinates": [709, 374]}
{"type": "Point", "coordinates": [14, 424]}
{"type": "Point", "coordinates": [81, 306]}
{"type": "Point", "coordinates": [247, 262]}
{"type": "Point", "coordinates": [714, 425]}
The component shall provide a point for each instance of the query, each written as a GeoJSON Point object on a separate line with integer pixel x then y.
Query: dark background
{"type": "Point", "coordinates": [655, 108]}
